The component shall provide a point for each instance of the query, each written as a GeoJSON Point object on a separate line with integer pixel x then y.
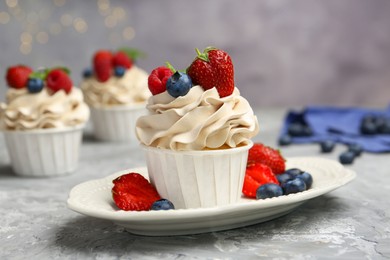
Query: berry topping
{"type": "Point", "coordinates": [269, 190]}
{"type": "Point", "coordinates": [260, 153]}
{"type": "Point", "coordinates": [17, 76]}
{"type": "Point", "coordinates": [213, 68]}
{"type": "Point", "coordinates": [102, 65]}
{"type": "Point", "coordinates": [34, 85]}
{"type": "Point", "coordinates": [121, 59]}
{"type": "Point", "coordinates": [162, 204]}
{"type": "Point", "coordinates": [327, 146]}
{"type": "Point", "coordinates": [58, 79]}
{"type": "Point", "coordinates": [294, 172]}
{"type": "Point", "coordinates": [294, 186]}
{"type": "Point", "coordinates": [87, 73]}
{"type": "Point", "coordinates": [299, 130]}
{"type": "Point", "coordinates": [132, 191]}
{"type": "Point", "coordinates": [285, 140]}
{"type": "Point", "coordinates": [347, 157]}
{"type": "Point", "coordinates": [119, 71]}
{"type": "Point", "coordinates": [158, 78]}
{"type": "Point", "coordinates": [257, 174]}
{"type": "Point", "coordinates": [178, 84]}
{"type": "Point", "coordinates": [306, 177]}
{"type": "Point", "coordinates": [356, 149]}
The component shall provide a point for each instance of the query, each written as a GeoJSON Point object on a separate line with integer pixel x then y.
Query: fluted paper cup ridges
{"type": "Point", "coordinates": [116, 123]}
{"type": "Point", "coordinates": [44, 152]}
{"type": "Point", "coordinates": [198, 179]}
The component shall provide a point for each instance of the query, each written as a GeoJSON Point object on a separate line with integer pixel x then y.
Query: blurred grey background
{"type": "Point", "coordinates": [286, 53]}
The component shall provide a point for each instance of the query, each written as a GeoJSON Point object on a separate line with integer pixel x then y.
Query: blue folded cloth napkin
{"type": "Point", "coordinates": [341, 125]}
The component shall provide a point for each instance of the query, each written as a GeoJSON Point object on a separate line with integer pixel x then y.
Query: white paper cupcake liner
{"type": "Point", "coordinates": [198, 179]}
{"type": "Point", "coordinates": [116, 123]}
{"type": "Point", "coordinates": [44, 152]}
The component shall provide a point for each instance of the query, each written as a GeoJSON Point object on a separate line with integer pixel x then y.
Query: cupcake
{"type": "Point", "coordinates": [42, 121]}
{"type": "Point", "coordinates": [116, 92]}
{"type": "Point", "coordinates": [198, 132]}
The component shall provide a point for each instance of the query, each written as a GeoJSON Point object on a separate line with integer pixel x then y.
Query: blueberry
{"type": "Point", "coordinates": [294, 186]}
{"type": "Point", "coordinates": [385, 128]}
{"type": "Point", "coordinates": [295, 129]}
{"type": "Point", "coordinates": [268, 190]}
{"type": "Point", "coordinates": [327, 146]}
{"type": "Point", "coordinates": [347, 157]}
{"type": "Point", "coordinates": [299, 130]}
{"type": "Point", "coordinates": [179, 84]}
{"type": "Point", "coordinates": [119, 71]}
{"type": "Point", "coordinates": [283, 178]}
{"type": "Point", "coordinates": [355, 148]}
{"type": "Point", "coordinates": [306, 177]}
{"type": "Point", "coordinates": [34, 85]}
{"type": "Point", "coordinates": [293, 172]}
{"type": "Point", "coordinates": [87, 73]}
{"type": "Point", "coordinates": [285, 140]}
{"type": "Point", "coordinates": [307, 131]}
{"type": "Point", "coordinates": [369, 125]}
{"type": "Point", "coordinates": [162, 204]}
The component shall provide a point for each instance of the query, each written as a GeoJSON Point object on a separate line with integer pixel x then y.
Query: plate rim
{"type": "Point", "coordinates": [246, 204]}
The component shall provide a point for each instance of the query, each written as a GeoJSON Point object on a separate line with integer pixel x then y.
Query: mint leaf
{"type": "Point", "coordinates": [132, 53]}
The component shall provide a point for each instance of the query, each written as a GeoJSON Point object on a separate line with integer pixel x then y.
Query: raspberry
{"type": "Point", "coordinates": [121, 59]}
{"type": "Point", "coordinates": [57, 79]}
{"type": "Point", "coordinates": [17, 76]}
{"type": "Point", "coordinates": [102, 65]}
{"type": "Point", "coordinates": [260, 153]}
{"type": "Point", "coordinates": [158, 78]}
{"type": "Point", "coordinates": [132, 191]}
{"type": "Point", "coordinates": [256, 175]}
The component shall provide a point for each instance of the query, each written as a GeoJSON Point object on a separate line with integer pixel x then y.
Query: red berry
{"type": "Point", "coordinates": [57, 79]}
{"type": "Point", "coordinates": [213, 68]}
{"type": "Point", "coordinates": [121, 59]}
{"type": "Point", "coordinates": [256, 175]}
{"type": "Point", "coordinates": [17, 76]}
{"type": "Point", "coordinates": [260, 153]}
{"type": "Point", "coordinates": [157, 80]}
{"type": "Point", "coordinates": [102, 65]}
{"type": "Point", "coordinates": [132, 191]}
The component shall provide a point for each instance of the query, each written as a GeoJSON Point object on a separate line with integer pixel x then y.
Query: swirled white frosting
{"type": "Point", "coordinates": [26, 111]}
{"type": "Point", "coordinates": [197, 121]}
{"type": "Point", "coordinates": [130, 89]}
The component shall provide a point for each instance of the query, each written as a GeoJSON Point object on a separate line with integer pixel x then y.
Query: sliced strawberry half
{"type": "Point", "coordinates": [257, 174]}
{"type": "Point", "coordinates": [132, 191]}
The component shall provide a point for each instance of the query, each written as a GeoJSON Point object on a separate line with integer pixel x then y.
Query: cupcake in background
{"type": "Point", "coordinates": [198, 132]}
{"type": "Point", "coordinates": [42, 121]}
{"type": "Point", "coordinates": [116, 91]}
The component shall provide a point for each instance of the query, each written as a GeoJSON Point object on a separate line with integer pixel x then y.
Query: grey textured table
{"type": "Point", "coordinates": [351, 222]}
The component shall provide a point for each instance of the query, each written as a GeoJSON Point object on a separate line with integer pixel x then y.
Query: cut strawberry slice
{"type": "Point", "coordinates": [257, 174]}
{"type": "Point", "coordinates": [132, 191]}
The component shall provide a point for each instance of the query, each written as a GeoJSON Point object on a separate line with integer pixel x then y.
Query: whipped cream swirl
{"type": "Point", "coordinates": [197, 121]}
{"type": "Point", "coordinates": [26, 111]}
{"type": "Point", "coordinates": [130, 89]}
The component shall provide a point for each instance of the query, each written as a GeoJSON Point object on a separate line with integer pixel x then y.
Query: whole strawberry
{"type": "Point", "coordinates": [213, 68]}
{"type": "Point", "coordinates": [58, 79]}
{"type": "Point", "coordinates": [256, 175]}
{"type": "Point", "coordinates": [103, 65]}
{"type": "Point", "coordinates": [17, 76]}
{"type": "Point", "coordinates": [132, 191]}
{"type": "Point", "coordinates": [260, 153]}
{"type": "Point", "coordinates": [157, 80]}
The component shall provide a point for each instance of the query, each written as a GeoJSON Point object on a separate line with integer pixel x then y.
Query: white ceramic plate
{"type": "Point", "coordinates": [93, 198]}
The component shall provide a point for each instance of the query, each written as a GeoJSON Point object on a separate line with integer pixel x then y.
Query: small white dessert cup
{"type": "Point", "coordinates": [116, 123]}
{"type": "Point", "coordinates": [198, 179]}
{"type": "Point", "coordinates": [44, 152]}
